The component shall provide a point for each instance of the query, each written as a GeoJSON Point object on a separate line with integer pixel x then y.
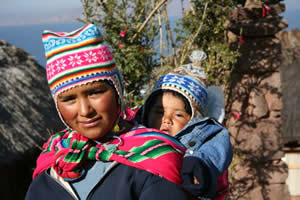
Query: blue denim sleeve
{"type": "Point", "coordinates": [209, 141]}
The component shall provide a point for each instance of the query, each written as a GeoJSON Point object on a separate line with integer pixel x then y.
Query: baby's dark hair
{"type": "Point", "coordinates": [158, 93]}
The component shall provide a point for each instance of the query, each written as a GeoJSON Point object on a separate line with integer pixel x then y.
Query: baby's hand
{"type": "Point", "coordinates": [193, 176]}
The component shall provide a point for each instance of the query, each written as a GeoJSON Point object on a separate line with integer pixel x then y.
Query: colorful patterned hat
{"type": "Point", "coordinates": [77, 58]}
{"type": "Point", "coordinates": [191, 88]}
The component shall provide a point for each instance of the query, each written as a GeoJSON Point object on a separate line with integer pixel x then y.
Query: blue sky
{"type": "Point", "coordinates": [15, 12]}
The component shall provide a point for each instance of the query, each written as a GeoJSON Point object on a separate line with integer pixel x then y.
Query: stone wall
{"type": "Point", "coordinates": [255, 101]}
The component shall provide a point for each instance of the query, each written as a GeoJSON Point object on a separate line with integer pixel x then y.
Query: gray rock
{"type": "Point", "coordinates": [27, 118]}
{"type": "Point", "coordinates": [27, 111]}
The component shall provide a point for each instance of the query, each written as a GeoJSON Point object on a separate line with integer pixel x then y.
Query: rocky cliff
{"type": "Point", "coordinates": [27, 118]}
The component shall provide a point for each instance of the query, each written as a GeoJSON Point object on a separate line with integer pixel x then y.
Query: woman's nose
{"type": "Point", "coordinates": [85, 108]}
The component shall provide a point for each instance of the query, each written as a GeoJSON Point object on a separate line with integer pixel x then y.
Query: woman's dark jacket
{"type": "Point", "coordinates": [120, 182]}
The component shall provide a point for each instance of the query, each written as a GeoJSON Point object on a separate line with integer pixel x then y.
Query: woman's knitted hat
{"type": "Point", "coordinates": [78, 58]}
{"type": "Point", "coordinates": [191, 82]}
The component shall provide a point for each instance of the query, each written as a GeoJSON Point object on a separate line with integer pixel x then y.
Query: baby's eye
{"type": "Point", "coordinates": [179, 115]}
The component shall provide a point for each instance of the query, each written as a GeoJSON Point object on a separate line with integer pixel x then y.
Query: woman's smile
{"type": "Point", "coordinates": [90, 123]}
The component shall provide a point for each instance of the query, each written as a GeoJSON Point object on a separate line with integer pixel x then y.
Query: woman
{"type": "Point", "coordinates": [99, 156]}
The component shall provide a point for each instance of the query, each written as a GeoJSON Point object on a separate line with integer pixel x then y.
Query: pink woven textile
{"type": "Point", "coordinates": [146, 149]}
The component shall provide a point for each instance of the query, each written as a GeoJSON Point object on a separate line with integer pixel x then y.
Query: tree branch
{"type": "Point", "coordinates": [148, 18]}
{"type": "Point", "coordinates": [190, 41]}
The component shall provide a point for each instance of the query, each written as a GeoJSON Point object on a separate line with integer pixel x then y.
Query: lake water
{"type": "Point", "coordinates": [29, 37]}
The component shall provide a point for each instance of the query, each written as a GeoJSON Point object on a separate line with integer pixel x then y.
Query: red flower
{"type": "Point", "coordinates": [241, 39]}
{"type": "Point", "coordinates": [123, 33]}
{"type": "Point", "coordinates": [121, 45]}
{"type": "Point", "coordinates": [142, 48]}
{"type": "Point", "coordinates": [265, 10]}
{"type": "Point", "coordinates": [236, 115]}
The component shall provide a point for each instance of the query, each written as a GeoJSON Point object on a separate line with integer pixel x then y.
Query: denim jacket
{"type": "Point", "coordinates": [208, 141]}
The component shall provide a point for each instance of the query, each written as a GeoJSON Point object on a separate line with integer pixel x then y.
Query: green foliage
{"type": "Point", "coordinates": [137, 43]}
{"type": "Point", "coordinates": [133, 53]}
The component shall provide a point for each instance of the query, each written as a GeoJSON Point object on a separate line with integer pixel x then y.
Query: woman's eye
{"type": "Point", "coordinates": [97, 92]}
{"type": "Point", "coordinates": [67, 99]}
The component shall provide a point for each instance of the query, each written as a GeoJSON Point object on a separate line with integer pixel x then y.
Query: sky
{"type": "Point", "coordinates": [17, 12]}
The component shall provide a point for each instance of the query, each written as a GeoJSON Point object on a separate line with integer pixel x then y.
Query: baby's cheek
{"type": "Point", "coordinates": [173, 133]}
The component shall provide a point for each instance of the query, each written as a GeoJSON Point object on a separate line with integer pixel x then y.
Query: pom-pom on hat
{"type": "Point", "coordinates": [78, 58]}
{"type": "Point", "coordinates": [197, 56]}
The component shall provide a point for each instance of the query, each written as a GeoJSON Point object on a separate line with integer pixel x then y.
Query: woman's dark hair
{"type": "Point", "coordinates": [158, 93]}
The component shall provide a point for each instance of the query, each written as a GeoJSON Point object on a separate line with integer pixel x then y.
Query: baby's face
{"type": "Point", "coordinates": [168, 114]}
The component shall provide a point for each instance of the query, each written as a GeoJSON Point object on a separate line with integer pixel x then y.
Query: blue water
{"type": "Point", "coordinates": [29, 37]}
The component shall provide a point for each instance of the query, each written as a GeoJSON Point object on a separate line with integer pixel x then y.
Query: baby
{"type": "Point", "coordinates": [181, 105]}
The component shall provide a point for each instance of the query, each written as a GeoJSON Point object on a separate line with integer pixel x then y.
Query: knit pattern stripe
{"type": "Point", "coordinates": [92, 68]}
{"type": "Point", "coordinates": [184, 84]}
{"type": "Point", "coordinates": [70, 48]}
{"type": "Point", "coordinates": [79, 76]}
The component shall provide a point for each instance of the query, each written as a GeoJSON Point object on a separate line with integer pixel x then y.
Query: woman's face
{"type": "Point", "coordinates": [91, 110]}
